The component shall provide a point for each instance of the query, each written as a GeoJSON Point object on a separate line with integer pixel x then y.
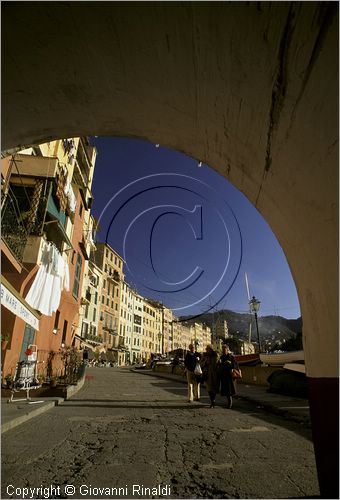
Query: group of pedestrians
{"type": "Point", "coordinates": [216, 373]}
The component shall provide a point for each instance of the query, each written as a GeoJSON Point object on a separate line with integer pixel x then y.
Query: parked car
{"type": "Point", "coordinates": [140, 366]}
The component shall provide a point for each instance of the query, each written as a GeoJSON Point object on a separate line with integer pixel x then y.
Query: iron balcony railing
{"type": "Point", "coordinates": [22, 218]}
{"type": "Point", "coordinates": [13, 230]}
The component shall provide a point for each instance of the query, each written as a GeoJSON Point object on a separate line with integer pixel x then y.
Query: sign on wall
{"type": "Point", "coordinates": [13, 304]}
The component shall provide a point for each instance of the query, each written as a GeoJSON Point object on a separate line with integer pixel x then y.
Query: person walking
{"type": "Point", "coordinates": [190, 361]}
{"type": "Point", "coordinates": [226, 364]}
{"type": "Point", "coordinates": [174, 363]}
{"type": "Point", "coordinates": [209, 364]}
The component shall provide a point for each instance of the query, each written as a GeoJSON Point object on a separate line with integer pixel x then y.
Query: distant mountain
{"type": "Point", "coordinates": [270, 327]}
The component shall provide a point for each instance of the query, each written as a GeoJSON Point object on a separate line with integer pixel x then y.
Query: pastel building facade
{"type": "Point", "coordinates": [46, 199]}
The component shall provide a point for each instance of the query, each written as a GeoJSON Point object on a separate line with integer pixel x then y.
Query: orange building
{"type": "Point", "coordinates": [46, 193]}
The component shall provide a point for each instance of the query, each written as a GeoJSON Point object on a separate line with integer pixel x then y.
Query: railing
{"type": "Point", "coordinates": [113, 276]}
{"type": "Point", "coordinates": [64, 365]}
{"type": "Point", "coordinates": [13, 231]}
{"type": "Point", "coordinates": [82, 166]}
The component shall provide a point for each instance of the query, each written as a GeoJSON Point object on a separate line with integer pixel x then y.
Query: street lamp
{"type": "Point", "coordinates": [254, 305]}
{"type": "Point", "coordinates": [159, 342]}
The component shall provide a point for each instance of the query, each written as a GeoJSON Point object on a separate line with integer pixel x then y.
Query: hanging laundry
{"type": "Point", "coordinates": [51, 278]}
{"type": "Point", "coordinates": [90, 237]}
{"type": "Point", "coordinates": [72, 202]}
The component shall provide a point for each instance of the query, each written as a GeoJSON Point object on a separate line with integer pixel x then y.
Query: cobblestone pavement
{"type": "Point", "coordinates": [129, 431]}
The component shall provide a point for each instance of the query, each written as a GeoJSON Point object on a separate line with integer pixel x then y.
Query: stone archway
{"type": "Point", "coordinates": [249, 88]}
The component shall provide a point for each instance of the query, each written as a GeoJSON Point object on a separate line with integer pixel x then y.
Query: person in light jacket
{"type": "Point", "coordinates": [191, 359]}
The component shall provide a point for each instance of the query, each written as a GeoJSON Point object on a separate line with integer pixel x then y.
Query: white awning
{"type": "Point", "coordinates": [12, 300]}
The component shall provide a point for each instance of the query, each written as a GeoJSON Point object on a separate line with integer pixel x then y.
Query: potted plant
{"type": "Point", "coordinates": [9, 380]}
{"type": "Point", "coordinates": [53, 381]}
{"type": "Point", "coordinates": [5, 338]}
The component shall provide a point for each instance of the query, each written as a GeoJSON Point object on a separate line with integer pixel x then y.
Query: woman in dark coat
{"type": "Point", "coordinates": [226, 364]}
{"type": "Point", "coordinates": [209, 364]}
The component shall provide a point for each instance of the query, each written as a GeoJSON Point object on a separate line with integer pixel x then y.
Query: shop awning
{"type": "Point", "coordinates": [12, 300]}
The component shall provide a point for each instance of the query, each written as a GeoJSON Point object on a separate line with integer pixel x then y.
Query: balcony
{"type": "Point", "coordinates": [84, 249]}
{"type": "Point", "coordinates": [28, 212]}
{"type": "Point", "coordinates": [37, 166]}
{"type": "Point", "coordinates": [110, 329]}
{"type": "Point", "coordinates": [93, 339]}
{"type": "Point", "coordinates": [13, 230]}
{"type": "Point", "coordinates": [87, 299]}
{"type": "Point", "coordinates": [113, 276]}
{"type": "Point", "coordinates": [82, 166]}
{"type": "Point", "coordinates": [80, 175]}
{"type": "Point", "coordinates": [93, 280]}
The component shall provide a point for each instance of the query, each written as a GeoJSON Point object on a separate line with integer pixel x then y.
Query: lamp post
{"type": "Point", "coordinates": [159, 342]}
{"type": "Point", "coordinates": [254, 305]}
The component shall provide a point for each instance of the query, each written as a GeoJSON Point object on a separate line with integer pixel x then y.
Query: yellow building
{"type": "Point", "coordinates": [185, 335]}
{"type": "Point", "coordinates": [111, 264]}
{"type": "Point", "coordinates": [126, 321]}
{"type": "Point", "coordinates": [137, 333]}
{"type": "Point", "coordinates": [200, 335]}
{"type": "Point", "coordinates": [167, 329]}
{"type": "Point", "coordinates": [152, 338]}
{"type": "Point", "coordinates": [221, 328]}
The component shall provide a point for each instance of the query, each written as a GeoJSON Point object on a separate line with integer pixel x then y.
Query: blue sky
{"type": "Point", "coordinates": [187, 235]}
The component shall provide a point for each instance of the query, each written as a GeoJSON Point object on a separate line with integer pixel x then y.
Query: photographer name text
{"type": "Point", "coordinates": [134, 490]}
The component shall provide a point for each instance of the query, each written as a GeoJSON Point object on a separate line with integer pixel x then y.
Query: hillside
{"type": "Point", "coordinates": [270, 327]}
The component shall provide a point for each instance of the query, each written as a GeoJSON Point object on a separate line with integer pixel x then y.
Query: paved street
{"type": "Point", "coordinates": [124, 429]}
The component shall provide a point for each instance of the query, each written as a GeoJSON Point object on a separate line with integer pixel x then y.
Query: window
{"type": "Point", "coordinates": [64, 332]}
{"type": "Point", "coordinates": [104, 284]}
{"type": "Point", "coordinates": [96, 298]}
{"type": "Point", "coordinates": [86, 311]}
{"type": "Point", "coordinates": [107, 301]}
{"type": "Point", "coordinates": [77, 276]}
{"type": "Point", "coordinates": [80, 209]}
{"type": "Point", "coordinates": [84, 329]}
{"type": "Point", "coordinates": [116, 307]}
{"type": "Point", "coordinates": [103, 299]}
{"type": "Point", "coordinates": [56, 319]}
{"type": "Point", "coordinates": [107, 253]}
{"type": "Point", "coordinates": [94, 314]}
